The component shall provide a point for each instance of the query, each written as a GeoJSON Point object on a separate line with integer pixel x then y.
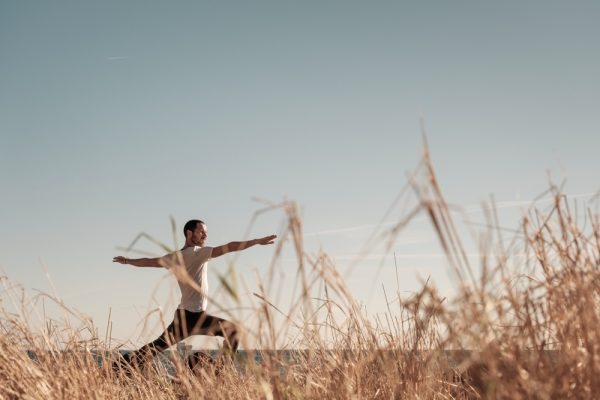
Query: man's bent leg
{"type": "Point", "coordinates": [214, 326]}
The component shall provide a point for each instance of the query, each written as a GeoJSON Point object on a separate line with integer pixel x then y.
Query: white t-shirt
{"type": "Point", "coordinates": [195, 261]}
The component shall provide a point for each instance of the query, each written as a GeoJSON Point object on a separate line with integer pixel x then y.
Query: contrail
{"type": "Point", "coordinates": [399, 256]}
{"type": "Point", "coordinates": [519, 203]}
{"type": "Point", "coordinates": [468, 209]}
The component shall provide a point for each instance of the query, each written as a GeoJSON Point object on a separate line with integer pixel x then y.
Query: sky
{"type": "Point", "coordinates": [116, 116]}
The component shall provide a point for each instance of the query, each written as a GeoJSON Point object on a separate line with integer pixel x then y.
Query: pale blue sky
{"type": "Point", "coordinates": [115, 115]}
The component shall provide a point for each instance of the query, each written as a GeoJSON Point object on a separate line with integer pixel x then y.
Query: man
{"type": "Point", "coordinates": [190, 267]}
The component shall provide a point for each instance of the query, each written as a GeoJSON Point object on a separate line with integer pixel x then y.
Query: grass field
{"type": "Point", "coordinates": [525, 324]}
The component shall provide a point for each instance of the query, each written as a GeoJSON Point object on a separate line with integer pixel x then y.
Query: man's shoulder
{"type": "Point", "coordinates": [192, 249]}
{"type": "Point", "coordinates": [196, 249]}
{"type": "Point", "coordinates": [203, 252]}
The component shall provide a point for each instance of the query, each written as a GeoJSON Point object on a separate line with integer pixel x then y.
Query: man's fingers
{"type": "Point", "coordinates": [268, 239]}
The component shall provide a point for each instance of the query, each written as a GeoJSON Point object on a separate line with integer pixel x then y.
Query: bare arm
{"type": "Point", "coordinates": [237, 246]}
{"type": "Point", "coordinates": [138, 262]}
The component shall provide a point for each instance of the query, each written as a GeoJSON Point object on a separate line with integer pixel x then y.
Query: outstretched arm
{"type": "Point", "coordinates": [138, 262]}
{"type": "Point", "coordinates": [237, 246]}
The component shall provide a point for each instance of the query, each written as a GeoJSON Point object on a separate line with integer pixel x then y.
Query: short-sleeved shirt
{"type": "Point", "coordinates": [195, 260]}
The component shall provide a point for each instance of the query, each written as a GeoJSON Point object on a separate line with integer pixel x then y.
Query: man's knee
{"type": "Point", "coordinates": [229, 329]}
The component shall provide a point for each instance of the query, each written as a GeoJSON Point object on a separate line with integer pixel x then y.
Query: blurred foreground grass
{"type": "Point", "coordinates": [525, 324]}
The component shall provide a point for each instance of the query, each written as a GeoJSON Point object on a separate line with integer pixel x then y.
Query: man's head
{"type": "Point", "coordinates": [195, 232]}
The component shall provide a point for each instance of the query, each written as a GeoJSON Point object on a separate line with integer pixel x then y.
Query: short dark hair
{"type": "Point", "coordinates": [191, 225]}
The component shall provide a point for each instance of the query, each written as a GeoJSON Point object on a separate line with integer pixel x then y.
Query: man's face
{"type": "Point", "coordinates": [199, 235]}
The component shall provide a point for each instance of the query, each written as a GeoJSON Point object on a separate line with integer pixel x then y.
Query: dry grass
{"type": "Point", "coordinates": [527, 314]}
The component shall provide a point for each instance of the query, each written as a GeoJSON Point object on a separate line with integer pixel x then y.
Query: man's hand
{"type": "Point", "coordinates": [120, 259]}
{"type": "Point", "coordinates": [266, 240]}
